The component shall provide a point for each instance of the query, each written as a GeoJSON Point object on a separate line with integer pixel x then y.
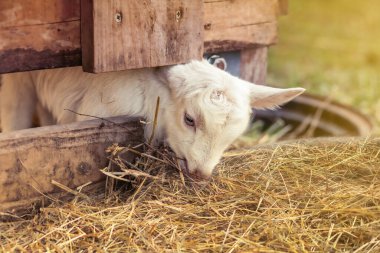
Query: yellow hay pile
{"type": "Point", "coordinates": [296, 197]}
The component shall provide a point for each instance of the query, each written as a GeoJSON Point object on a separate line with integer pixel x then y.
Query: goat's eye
{"type": "Point", "coordinates": [189, 120]}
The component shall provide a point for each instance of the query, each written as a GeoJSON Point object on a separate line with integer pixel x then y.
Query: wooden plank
{"type": "Point", "coordinates": [40, 46]}
{"type": "Point", "coordinates": [253, 64]}
{"type": "Point", "coordinates": [241, 38]}
{"type": "Point", "coordinates": [15, 13]}
{"type": "Point", "coordinates": [70, 154]}
{"type": "Point", "coordinates": [119, 35]}
{"type": "Point", "coordinates": [239, 24]}
{"type": "Point", "coordinates": [39, 34]}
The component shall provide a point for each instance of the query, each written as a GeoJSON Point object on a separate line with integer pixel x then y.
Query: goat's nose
{"type": "Point", "coordinates": [197, 175]}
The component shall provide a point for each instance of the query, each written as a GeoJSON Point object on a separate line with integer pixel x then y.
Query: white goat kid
{"type": "Point", "coordinates": [202, 109]}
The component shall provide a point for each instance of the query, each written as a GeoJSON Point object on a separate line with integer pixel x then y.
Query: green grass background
{"type": "Point", "coordinates": [332, 48]}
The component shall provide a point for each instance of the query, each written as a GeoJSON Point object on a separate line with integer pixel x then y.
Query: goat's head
{"type": "Point", "coordinates": [209, 110]}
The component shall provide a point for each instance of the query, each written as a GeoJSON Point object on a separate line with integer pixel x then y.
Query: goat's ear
{"type": "Point", "coordinates": [172, 76]}
{"type": "Point", "coordinates": [264, 97]}
{"type": "Point", "coordinates": [218, 62]}
{"type": "Point", "coordinates": [183, 79]}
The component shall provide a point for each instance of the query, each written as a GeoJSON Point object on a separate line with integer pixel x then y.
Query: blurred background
{"type": "Point", "coordinates": [332, 48]}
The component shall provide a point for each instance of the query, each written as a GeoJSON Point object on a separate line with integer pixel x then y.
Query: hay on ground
{"type": "Point", "coordinates": [295, 197]}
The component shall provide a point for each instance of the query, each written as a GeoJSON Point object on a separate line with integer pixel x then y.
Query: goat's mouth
{"type": "Point", "coordinates": [195, 177]}
{"type": "Point", "coordinates": [182, 162]}
{"type": "Point", "coordinates": [183, 166]}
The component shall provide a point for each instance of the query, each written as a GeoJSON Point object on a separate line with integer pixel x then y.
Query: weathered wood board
{"type": "Point", "coordinates": [46, 33]}
{"type": "Point", "coordinates": [70, 154]}
{"type": "Point", "coordinates": [239, 24]}
{"type": "Point", "coordinates": [119, 35]}
{"type": "Point", "coordinates": [253, 64]}
{"type": "Point", "coordinates": [37, 34]}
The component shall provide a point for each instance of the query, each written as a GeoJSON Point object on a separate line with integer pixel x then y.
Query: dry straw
{"type": "Point", "coordinates": [313, 196]}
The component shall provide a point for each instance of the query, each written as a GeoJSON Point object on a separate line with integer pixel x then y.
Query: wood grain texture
{"type": "Point", "coordinates": [239, 24]}
{"type": "Point", "coordinates": [253, 64]}
{"type": "Point", "coordinates": [40, 46]}
{"type": "Point", "coordinates": [135, 34]}
{"type": "Point", "coordinates": [37, 34]}
{"type": "Point", "coordinates": [70, 154]}
{"type": "Point", "coordinates": [15, 13]}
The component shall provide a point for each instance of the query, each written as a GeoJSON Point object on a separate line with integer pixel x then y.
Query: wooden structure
{"type": "Point", "coordinates": [70, 154]}
{"type": "Point", "coordinates": [117, 35]}
{"type": "Point", "coordinates": [112, 35]}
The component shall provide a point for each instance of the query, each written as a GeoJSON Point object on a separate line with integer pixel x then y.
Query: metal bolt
{"type": "Point", "coordinates": [178, 15]}
{"type": "Point", "coordinates": [118, 17]}
{"type": "Point", "coordinates": [207, 26]}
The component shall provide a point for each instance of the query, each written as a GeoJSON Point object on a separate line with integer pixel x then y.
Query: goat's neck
{"type": "Point", "coordinates": [153, 91]}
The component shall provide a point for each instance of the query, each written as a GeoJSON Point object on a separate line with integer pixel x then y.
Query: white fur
{"type": "Point", "coordinates": [219, 103]}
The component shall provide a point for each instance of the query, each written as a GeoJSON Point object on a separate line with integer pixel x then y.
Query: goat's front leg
{"type": "Point", "coordinates": [17, 102]}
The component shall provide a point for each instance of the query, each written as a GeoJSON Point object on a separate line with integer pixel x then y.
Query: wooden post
{"type": "Point", "coordinates": [118, 35]}
{"type": "Point", "coordinates": [253, 64]}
